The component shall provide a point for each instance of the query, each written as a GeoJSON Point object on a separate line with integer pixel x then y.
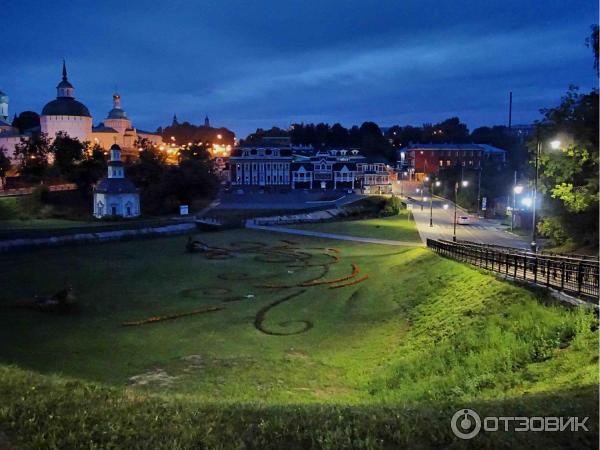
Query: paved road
{"type": "Point", "coordinates": [341, 237]}
{"type": "Point", "coordinates": [480, 230]}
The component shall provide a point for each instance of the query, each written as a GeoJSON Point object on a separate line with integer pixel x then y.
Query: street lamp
{"type": "Point", "coordinates": [437, 183]}
{"type": "Point", "coordinates": [464, 183]}
{"type": "Point", "coordinates": [555, 144]}
{"type": "Point", "coordinates": [422, 189]}
{"type": "Point", "coordinates": [517, 190]}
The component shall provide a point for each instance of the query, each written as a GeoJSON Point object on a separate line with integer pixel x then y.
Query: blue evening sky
{"type": "Point", "coordinates": [250, 64]}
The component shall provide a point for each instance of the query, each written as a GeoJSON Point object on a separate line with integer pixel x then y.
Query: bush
{"type": "Point", "coordinates": [392, 207]}
{"type": "Point", "coordinates": [551, 228]}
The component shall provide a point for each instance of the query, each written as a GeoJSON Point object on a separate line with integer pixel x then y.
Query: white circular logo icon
{"type": "Point", "coordinates": [465, 424]}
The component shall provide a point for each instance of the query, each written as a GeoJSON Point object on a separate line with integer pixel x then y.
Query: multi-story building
{"type": "Point", "coordinates": [429, 158]}
{"type": "Point", "coordinates": [374, 177]}
{"type": "Point", "coordinates": [325, 169]}
{"type": "Point", "coordinates": [260, 166]}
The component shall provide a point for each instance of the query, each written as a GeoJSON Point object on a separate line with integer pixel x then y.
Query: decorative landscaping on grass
{"type": "Point", "coordinates": [397, 228]}
{"type": "Point", "coordinates": [383, 363]}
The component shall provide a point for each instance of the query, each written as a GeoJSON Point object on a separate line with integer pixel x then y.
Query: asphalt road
{"type": "Point", "coordinates": [480, 230]}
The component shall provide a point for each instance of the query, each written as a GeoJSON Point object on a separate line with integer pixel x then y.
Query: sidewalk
{"type": "Point", "coordinates": [340, 237]}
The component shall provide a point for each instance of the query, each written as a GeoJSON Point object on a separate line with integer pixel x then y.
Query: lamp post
{"type": "Point", "coordinates": [422, 189]}
{"type": "Point", "coordinates": [517, 190]}
{"type": "Point", "coordinates": [437, 183]}
{"type": "Point", "coordinates": [464, 183]}
{"type": "Point", "coordinates": [538, 151]}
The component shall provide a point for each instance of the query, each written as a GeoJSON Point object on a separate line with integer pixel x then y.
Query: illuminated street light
{"type": "Point", "coordinates": [438, 183]}
{"type": "Point", "coordinates": [527, 202]}
{"type": "Point", "coordinates": [518, 189]}
{"type": "Point", "coordinates": [555, 145]}
{"type": "Point", "coordinates": [465, 183]}
{"type": "Point", "coordinates": [219, 136]}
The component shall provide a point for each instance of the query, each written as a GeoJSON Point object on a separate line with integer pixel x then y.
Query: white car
{"type": "Point", "coordinates": [463, 220]}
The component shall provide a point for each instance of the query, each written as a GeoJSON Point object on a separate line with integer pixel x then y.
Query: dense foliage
{"type": "Point", "coordinates": [569, 175]}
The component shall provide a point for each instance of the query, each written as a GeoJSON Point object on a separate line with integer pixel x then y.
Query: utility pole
{"type": "Point", "coordinates": [512, 213]}
{"type": "Point", "coordinates": [478, 189]}
{"type": "Point", "coordinates": [510, 110]}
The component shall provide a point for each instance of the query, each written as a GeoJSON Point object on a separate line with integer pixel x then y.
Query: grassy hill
{"type": "Point", "coordinates": [281, 344]}
{"type": "Point", "coordinates": [398, 227]}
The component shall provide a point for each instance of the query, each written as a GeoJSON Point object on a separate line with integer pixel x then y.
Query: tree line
{"type": "Point", "coordinates": [163, 187]}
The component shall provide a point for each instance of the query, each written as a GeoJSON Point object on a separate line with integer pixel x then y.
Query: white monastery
{"type": "Point", "coordinates": [65, 114]}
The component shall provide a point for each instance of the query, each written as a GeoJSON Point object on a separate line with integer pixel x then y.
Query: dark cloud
{"type": "Point", "coordinates": [257, 64]}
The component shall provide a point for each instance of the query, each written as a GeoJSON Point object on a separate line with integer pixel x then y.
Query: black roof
{"type": "Point", "coordinates": [115, 186]}
{"type": "Point", "coordinates": [64, 84]}
{"type": "Point", "coordinates": [65, 106]}
{"type": "Point", "coordinates": [103, 129]}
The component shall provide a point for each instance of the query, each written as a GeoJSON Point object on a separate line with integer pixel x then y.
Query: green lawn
{"type": "Point", "coordinates": [398, 228]}
{"type": "Point", "coordinates": [383, 363]}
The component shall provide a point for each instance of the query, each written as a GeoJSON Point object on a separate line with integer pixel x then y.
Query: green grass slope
{"type": "Point", "coordinates": [383, 363]}
{"type": "Point", "coordinates": [398, 228]}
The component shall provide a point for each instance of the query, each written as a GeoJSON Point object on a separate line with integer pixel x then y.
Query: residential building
{"type": "Point", "coordinates": [429, 158]}
{"type": "Point", "coordinates": [260, 166]}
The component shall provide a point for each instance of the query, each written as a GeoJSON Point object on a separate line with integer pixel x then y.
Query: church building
{"type": "Point", "coordinates": [115, 195]}
{"type": "Point", "coordinates": [65, 113]}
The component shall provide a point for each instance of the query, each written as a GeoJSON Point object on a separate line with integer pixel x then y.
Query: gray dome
{"type": "Point", "coordinates": [65, 106]}
{"type": "Point", "coordinates": [116, 113]}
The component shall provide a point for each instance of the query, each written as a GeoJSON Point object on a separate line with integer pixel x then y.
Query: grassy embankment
{"type": "Point", "coordinates": [380, 364]}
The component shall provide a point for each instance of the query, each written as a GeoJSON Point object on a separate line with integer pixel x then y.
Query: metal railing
{"type": "Point", "coordinates": [577, 276]}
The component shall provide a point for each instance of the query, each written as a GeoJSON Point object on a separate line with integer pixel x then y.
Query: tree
{"type": "Point", "coordinates": [5, 166]}
{"type": "Point", "coordinates": [32, 153]}
{"type": "Point", "coordinates": [91, 169]}
{"type": "Point", "coordinates": [26, 120]}
{"type": "Point", "coordinates": [197, 151]}
{"type": "Point", "coordinates": [570, 175]}
{"type": "Point", "coordinates": [68, 152]}
{"type": "Point", "coordinates": [592, 41]}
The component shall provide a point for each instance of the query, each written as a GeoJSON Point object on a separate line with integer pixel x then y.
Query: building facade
{"type": "Point", "coordinates": [423, 159]}
{"type": "Point", "coordinates": [283, 168]}
{"type": "Point", "coordinates": [260, 166]}
{"type": "Point", "coordinates": [115, 195]}
{"type": "Point", "coordinates": [118, 129]}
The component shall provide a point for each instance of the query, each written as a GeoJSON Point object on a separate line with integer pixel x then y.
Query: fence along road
{"type": "Point", "coordinates": [574, 275]}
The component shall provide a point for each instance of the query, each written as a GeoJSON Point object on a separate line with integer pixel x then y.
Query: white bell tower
{"type": "Point", "coordinates": [3, 106]}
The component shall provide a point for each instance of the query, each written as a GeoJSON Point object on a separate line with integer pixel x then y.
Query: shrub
{"type": "Point", "coordinates": [551, 228]}
{"type": "Point", "coordinates": [392, 206]}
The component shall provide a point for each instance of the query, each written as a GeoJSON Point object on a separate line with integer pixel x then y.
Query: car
{"type": "Point", "coordinates": [463, 220]}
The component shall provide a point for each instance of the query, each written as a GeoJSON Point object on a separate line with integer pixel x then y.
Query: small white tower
{"type": "Point", "coordinates": [64, 88]}
{"type": "Point", "coordinates": [3, 106]}
{"type": "Point", "coordinates": [115, 195]}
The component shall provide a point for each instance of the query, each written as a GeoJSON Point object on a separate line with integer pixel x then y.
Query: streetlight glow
{"type": "Point", "coordinates": [518, 189]}
{"type": "Point", "coordinates": [555, 145]}
{"type": "Point", "coordinates": [438, 183]}
{"type": "Point", "coordinates": [465, 183]}
{"type": "Point", "coordinates": [527, 202]}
